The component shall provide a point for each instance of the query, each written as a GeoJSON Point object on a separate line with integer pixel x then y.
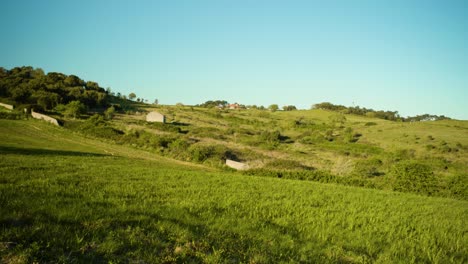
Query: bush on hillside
{"type": "Point", "coordinates": [303, 123]}
{"type": "Point", "coordinates": [12, 115]}
{"type": "Point", "coordinates": [351, 136]}
{"type": "Point", "coordinates": [370, 124]}
{"type": "Point", "coordinates": [311, 137]}
{"type": "Point", "coordinates": [458, 186]}
{"type": "Point", "coordinates": [271, 137]}
{"type": "Point", "coordinates": [308, 175]}
{"type": "Point", "coordinates": [367, 168]}
{"type": "Point", "coordinates": [201, 152]}
{"type": "Point", "coordinates": [283, 164]}
{"type": "Point", "coordinates": [96, 126]}
{"type": "Point", "coordinates": [164, 127]}
{"type": "Point", "coordinates": [410, 176]}
{"type": "Point", "coordinates": [178, 149]}
{"type": "Point", "coordinates": [161, 141]}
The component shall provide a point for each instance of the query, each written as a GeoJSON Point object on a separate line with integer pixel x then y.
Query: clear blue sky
{"type": "Point", "coordinates": [410, 56]}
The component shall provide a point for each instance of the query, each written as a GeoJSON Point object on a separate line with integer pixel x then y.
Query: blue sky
{"type": "Point", "coordinates": [409, 56]}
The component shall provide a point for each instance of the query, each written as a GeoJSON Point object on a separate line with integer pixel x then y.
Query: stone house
{"type": "Point", "coordinates": [155, 117]}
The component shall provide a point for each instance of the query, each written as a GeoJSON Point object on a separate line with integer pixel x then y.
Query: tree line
{"type": "Point", "coordinates": [225, 104]}
{"type": "Point", "coordinates": [387, 115]}
{"type": "Point", "coordinates": [31, 86]}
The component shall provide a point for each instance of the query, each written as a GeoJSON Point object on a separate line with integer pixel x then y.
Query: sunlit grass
{"type": "Point", "coordinates": [68, 202]}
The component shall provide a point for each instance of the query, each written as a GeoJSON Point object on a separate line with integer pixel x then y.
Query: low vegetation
{"type": "Point", "coordinates": [345, 145]}
{"type": "Point", "coordinates": [69, 199]}
{"type": "Point", "coordinates": [387, 115]}
{"type": "Point", "coordinates": [331, 184]}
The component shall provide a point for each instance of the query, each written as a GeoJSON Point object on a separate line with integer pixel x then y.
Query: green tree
{"type": "Point", "coordinates": [75, 92]}
{"type": "Point", "coordinates": [132, 96]}
{"type": "Point", "coordinates": [73, 81]}
{"type": "Point", "coordinates": [37, 73]}
{"type": "Point", "coordinates": [273, 107]}
{"type": "Point", "coordinates": [92, 86]}
{"type": "Point", "coordinates": [20, 93]}
{"type": "Point", "coordinates": [75, 109]}
{"type": "Point", "coordinates": [289, 108]}
{"type": "Point", "coordinates": [46, 100]}
{"type": "Point", "coordinates": [216, 103]}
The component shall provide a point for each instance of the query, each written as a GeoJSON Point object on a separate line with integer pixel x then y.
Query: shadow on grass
{"type": "Point", "coordinates": [41, 152]}
{"type": "Point", "coordinates": [175, 123]}
{"type": "Point", "coordinates": [171, 233]}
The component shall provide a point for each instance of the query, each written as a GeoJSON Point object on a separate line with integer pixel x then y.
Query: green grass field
{"type": "Point", "coordinates": [346, 149]}
{"type": "Point", "coordinates": [70, 199]}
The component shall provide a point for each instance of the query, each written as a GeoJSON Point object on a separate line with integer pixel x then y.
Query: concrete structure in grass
{"type": "Point", "coordinates": [155, 117]}
{"type": "Point", "coordinates": [236, 165]}
{"type": "Point", "coordinates": [7, 106]}
{"type": "Point", "coordinates": [44, 117]}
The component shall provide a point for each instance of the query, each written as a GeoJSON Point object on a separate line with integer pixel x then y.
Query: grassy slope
{"type": "Point", "coordinates": [65, 198]}
{"type": "Point", "coordinates": [439, 144]}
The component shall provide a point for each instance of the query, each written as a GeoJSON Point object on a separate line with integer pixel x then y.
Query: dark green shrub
{"type": "Point", "coordinates": [410, 176]}
{"type": "Point", "coordinates": [267, 139]}
{"type": "Point", "coordinates": [270, 136]}
{"type": "Point", "coordinates": [458, 186]}
{"type": "Point", "coordinates": [308, 175]}
{"type": "Point", "coordinates": [178, 149]}
{"type": "Point", "coordinates": [13, 115]}
{"type": "Point", "coordinates": [161, 141]}
{"type": "Point", "coordinates": [303, 123]}
{"type": "Point", "coordinates": [329, 135]}
{"type": "Point", "coordinates": [370, 124]}
{"type": "Point", "coordinates": [351, 136]}
{"type": "Point", "coordinates": [96, 126]}
{"type": "Point", "coordinates": [287, 165]}
{"type": "Point", "coordinates": [202, 152]}
{"type": "Point", "coordinates": [164, 127]}
{"type": "Point", "coordinates": [311, 137]}
{"type": "Point", "coordinates": [368, 168]}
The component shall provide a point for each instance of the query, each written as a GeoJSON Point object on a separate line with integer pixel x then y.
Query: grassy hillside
{"type": "Point", "coordinates": [316, 145]}
{"type": "Point", "coordinates": [343, 146]}
{"type": "Point", "coordinates": [66, 198]}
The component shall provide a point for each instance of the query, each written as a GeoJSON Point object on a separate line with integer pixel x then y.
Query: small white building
{"type": "Point", "coordinates": [155, 117]}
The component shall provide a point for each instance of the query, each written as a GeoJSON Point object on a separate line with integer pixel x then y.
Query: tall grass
{"type": "Point", "coordinates": [74, 204]}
